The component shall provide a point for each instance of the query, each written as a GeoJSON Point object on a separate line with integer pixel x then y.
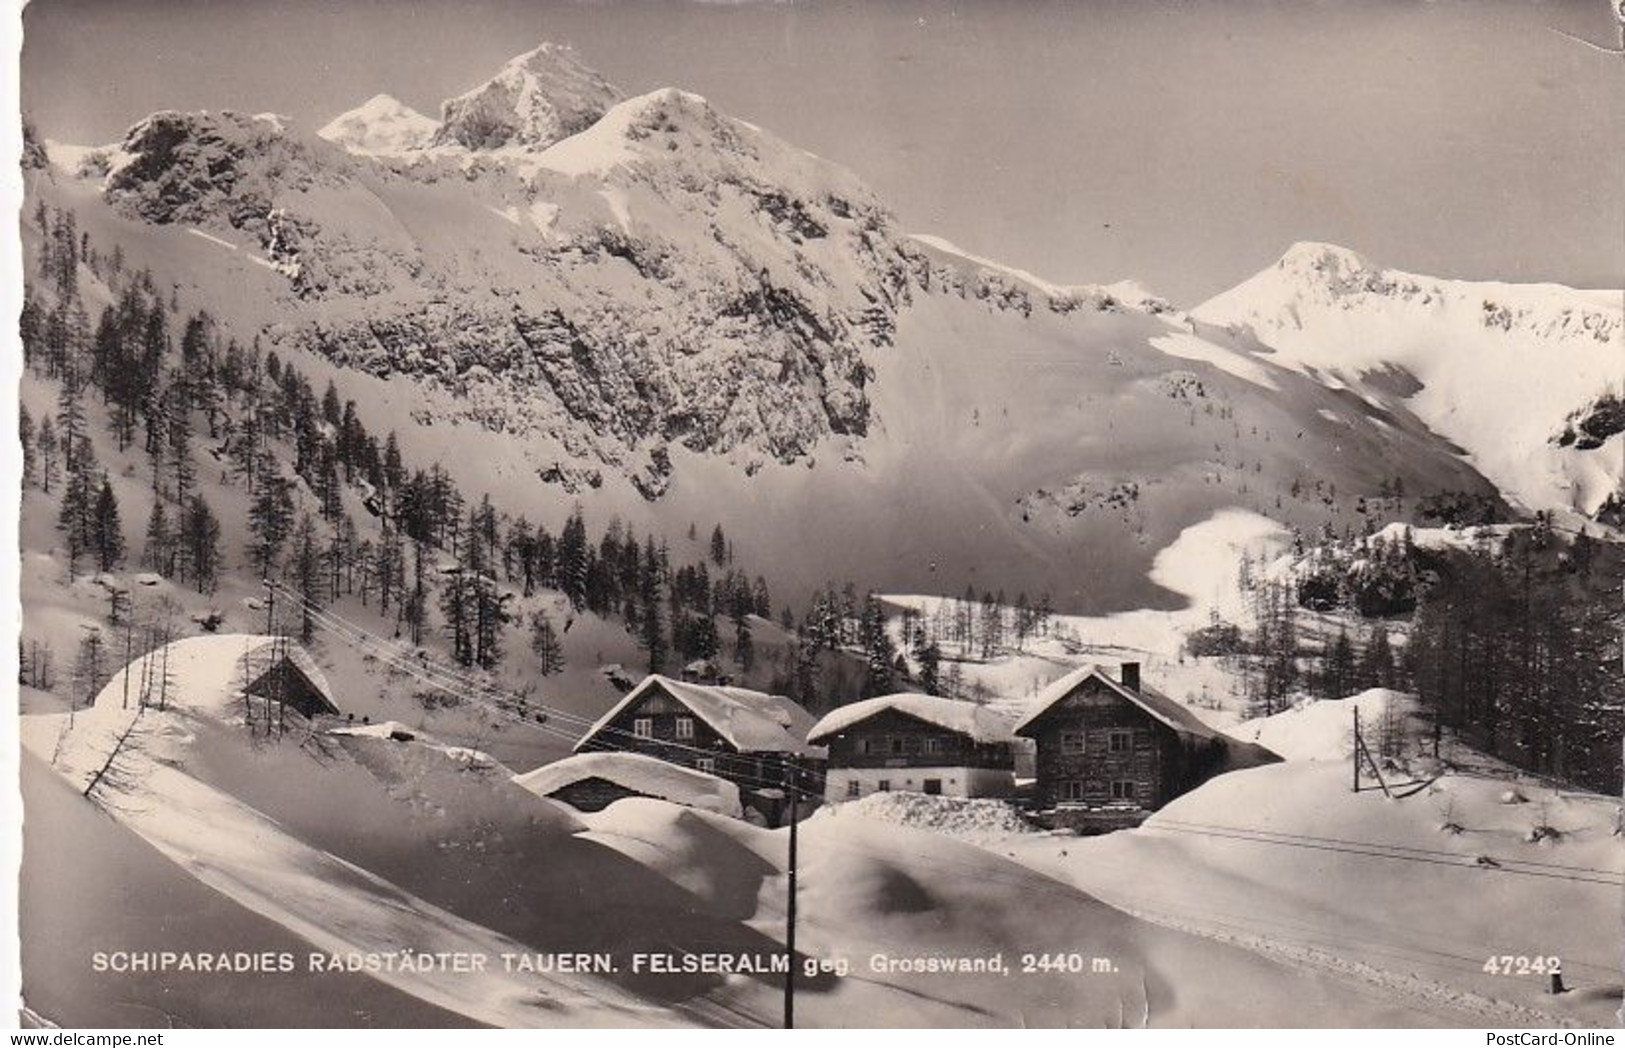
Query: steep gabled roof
{"type": "Point", "coordinates": [209, 671]}
{"type": "Point", "coordinates": [1158, 705]}
{"type": "Point", "coordinates": [967, 718]}
{"type": "Point", "coordinates": [751, 721]}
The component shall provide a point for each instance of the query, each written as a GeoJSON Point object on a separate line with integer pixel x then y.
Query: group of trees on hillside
{"type": "Point", "coordinates": [307, 466]}
{"type": "Point", "coordinates": [1512, 645]}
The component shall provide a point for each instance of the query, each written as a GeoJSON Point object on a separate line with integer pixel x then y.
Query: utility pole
{"type": "Point", "coordinates": [791, 788]}
{"type": "Point", "coordinates": [270, 605]}
{"type": "Point", "coordinates": [1358, 747]}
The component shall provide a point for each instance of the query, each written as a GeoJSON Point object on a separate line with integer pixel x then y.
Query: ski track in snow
{"type": "Point", "coordinates": [228, 245]}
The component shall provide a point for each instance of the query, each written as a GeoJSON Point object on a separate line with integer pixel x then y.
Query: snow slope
{"type": "Point", "coordinates": [381, 126]}
{"type": "Point", "coordinates": [1199, 565]}
{"type": "Point", "coordinates": [1497, 368]}
{"type": "Point", "coordinates": [1284, 860]}
{"type": "Point", "coordinates": [875, 889]}
{"type": "Point", "coordinates": [1322, 730]}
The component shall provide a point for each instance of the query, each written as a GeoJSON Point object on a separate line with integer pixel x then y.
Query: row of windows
{"type": "Point", "coordinates": [644, 727]}
{"type": "Point", "coordinates": [899, 745]}
{"type": "Point", "coordinates": [1117, 741]}
{"type": "Point", "coordinates": [854, 788]}
{"type": "Point", "coordinates": [1122, 790]}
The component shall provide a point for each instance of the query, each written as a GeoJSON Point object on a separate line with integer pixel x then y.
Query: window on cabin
{"type": "Point", "coordinates": [685, 727]}
{"type": "Point", "coordinates": [1072, 790]}
{"type": "Point", "coordinates": [884, 785]}
{"type": "Point", "coordinates": [706, 764]}
{"type": "Point", "coordinates": [1120, 741]}
{"type": "Point", "coordinates": [1071, 742]}
{"type": "Point", "coordinates": [853, 788]}
{"type": "Point", "coordinates": [1123, 790]}
{"type": "Point", "coordinates": [897, 744]}
{"type": "Point", "coordinates": [643, 727]}
{"type": "Point", "coordinates": [934, 745]}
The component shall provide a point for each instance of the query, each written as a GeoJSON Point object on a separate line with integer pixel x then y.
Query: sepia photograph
{"type": "Point", "coordinates": [818, 514]}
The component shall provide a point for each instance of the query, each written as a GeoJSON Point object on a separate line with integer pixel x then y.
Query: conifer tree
{"type": "Point", "coordinates": [930, 667]}
{"type": "Point", "coordinates": [544, 640]}
{"type": "Point", "coordinates": [652, 635]}
{"type": "Point", "coordinates": [306, 566]}
{"type": "Point", "coordinates": [106, 530]}
{"type": "Point", "coordinates": [157, 552]}
{"type": "Point", "coordinates": [200, 537]}
{"type": "Point", "coordinates": [49, 453]}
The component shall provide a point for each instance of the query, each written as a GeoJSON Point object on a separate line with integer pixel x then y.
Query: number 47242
{"type": "Point", "coordinates": [1507, 964]}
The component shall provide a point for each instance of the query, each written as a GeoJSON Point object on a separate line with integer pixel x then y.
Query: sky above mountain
{"type": "Point", "coordinates": [1184, 145]}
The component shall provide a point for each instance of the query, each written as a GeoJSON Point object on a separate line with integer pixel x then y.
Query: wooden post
{"type": "Point", "coordinates": [790, 903]}
{"type": "Point", "coordinates": [129, 647]}
{"type": "Point", "coordinates": [1554, 977]}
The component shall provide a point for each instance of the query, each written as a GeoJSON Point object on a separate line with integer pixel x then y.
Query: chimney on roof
{"type": "Point", "coordinates": [1129, 675]}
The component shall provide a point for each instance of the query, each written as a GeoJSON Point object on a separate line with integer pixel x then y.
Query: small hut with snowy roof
{"type": "Point", "coordinates": [280, 671]}
{"type": "Point", "coordinates": [914, 742]}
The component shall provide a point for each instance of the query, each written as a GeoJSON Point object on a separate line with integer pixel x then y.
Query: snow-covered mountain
{"type": "Point", "coordinates": [1503, 370]}
{"type": "Point", "coordinates": [536, 99]}
{"type": "Point", "coordinates": [381, 126]}
{"type": "Point", "coordinates": [674, 315]}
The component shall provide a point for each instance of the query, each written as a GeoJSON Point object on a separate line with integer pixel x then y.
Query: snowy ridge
{"type": "Point", "coordinates": [1500, 366]}
{"type": "Point", "coordinates": [966, 718]}
{"type": "Point", "coordinates": [1130, 294]}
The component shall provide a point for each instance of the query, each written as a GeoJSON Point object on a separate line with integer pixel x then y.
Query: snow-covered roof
{"type": "Point", "coordinates": [750, 721]}
{"type": "Point", "coordinates": [967, 718]}
{"type": "Point", "coordinates": [208, 672]}
{"type": "Point", "coordinates": [1150, 700]}
{"type": "Point", "coordinates": [641, 774]}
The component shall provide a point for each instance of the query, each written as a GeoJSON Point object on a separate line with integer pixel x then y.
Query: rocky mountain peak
{"type": "Point", "coordinates": [535, 99]}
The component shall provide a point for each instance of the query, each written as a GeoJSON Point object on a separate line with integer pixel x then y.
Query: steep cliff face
{"type": "Point", "coordinates": [669, 276]}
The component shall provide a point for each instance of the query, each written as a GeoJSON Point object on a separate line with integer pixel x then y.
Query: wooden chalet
{"type": "Point", "coordinates": [750, 738]}
{"type": "Point", "coordinates": [1104, 743]}
{"type": "Point", "coordinates": [920, 743]}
